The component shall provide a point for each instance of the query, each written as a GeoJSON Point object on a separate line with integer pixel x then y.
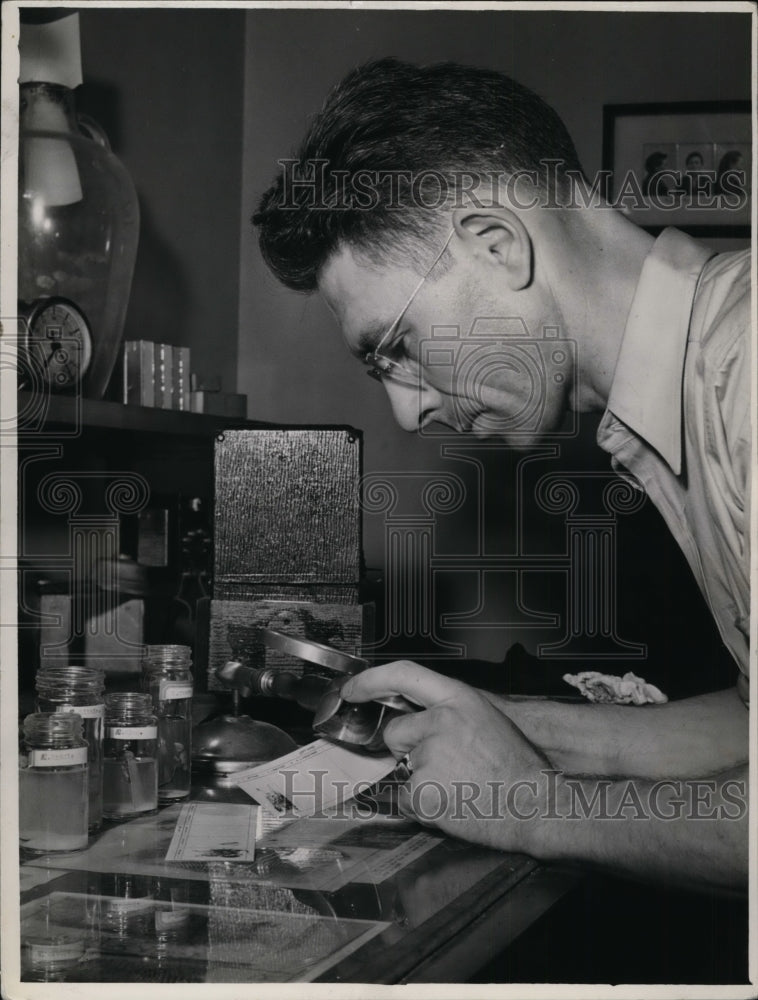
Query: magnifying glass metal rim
{"type": "Point", "coordinates": [313, 652]}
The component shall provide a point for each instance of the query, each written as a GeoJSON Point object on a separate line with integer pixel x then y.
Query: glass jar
{"type": "Point", "coordinates": [53, 784]}
{"type": "Point", "coordinates": [167, 678]}
{"type": "Point", "coordinates": [79, 689]}
{"type": "Point", "coordinates": [130, 756]}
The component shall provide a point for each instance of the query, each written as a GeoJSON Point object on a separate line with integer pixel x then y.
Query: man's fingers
{"type": "Point", "coordinates": [415, 803]}
{"type": "Point", "coordinates": [404, 802]}
{"type": "Point", "coordinates": [418, 684]}
{"type": "Point", "coordinates": [407, 731]}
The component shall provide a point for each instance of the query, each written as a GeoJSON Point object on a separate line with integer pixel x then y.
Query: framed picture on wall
{"type": "Point", "coordinates": [685, 164]}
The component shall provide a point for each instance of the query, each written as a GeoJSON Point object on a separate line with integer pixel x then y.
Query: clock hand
{"type": "Point", "coordinates": [57, 345]}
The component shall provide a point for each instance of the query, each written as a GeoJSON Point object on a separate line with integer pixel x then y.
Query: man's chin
{"type": "Point", "coordinates": [490, 429]}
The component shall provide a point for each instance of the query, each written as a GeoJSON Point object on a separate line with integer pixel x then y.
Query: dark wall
{"type": "Point", "coordinates": [168, 88]}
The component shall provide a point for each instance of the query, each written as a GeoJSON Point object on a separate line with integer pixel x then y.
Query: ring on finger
{"type": "Point", "coordinates": [404, 768]}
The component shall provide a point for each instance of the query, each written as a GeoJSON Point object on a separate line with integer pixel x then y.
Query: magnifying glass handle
{"type": "Point", "coordinates": [359, 724]}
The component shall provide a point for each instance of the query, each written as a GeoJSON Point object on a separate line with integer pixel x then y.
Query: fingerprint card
{"type": "Point", "coordinates": [313, 778]}
{"type": "Point", "coordinates": [213, 831]}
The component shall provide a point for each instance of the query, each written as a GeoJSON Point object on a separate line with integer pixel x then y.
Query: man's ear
{"type": "Point", "coordinates": [499, 238]}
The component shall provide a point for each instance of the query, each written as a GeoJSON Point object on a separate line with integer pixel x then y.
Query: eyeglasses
{"type": "Point", "coordinates": [380, 366]}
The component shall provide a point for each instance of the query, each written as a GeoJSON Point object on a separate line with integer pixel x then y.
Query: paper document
{"type": "Point", "coordinates": [389, 860]}
{"type": "Point", "coordinates": [313, 778]}
{"type": "Point", "coordinates": [372, 849]}
{"type": "Point", "coordinates": [214, 831]}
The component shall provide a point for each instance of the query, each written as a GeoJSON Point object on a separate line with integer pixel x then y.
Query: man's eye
{"type": "Point", "coordinates": [397, 348]}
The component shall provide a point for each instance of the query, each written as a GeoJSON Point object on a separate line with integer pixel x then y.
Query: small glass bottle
{"type": "Point", "coordinates": [174, 927]}
{"type": "Point", "coordinates": [128, 912]}
{"type": "Point", "coordinates": [167, 678]}
{"type": "Point", "coordinates": [130, 756]}
{"type": "Point", "coordinates": [79, 689]}
{"type": "Point", "coordinates": [50, 961]}
{"type": "Point", "coordinates": [57, 931]}
{"type": "Point", "coordinates": [53, 784]}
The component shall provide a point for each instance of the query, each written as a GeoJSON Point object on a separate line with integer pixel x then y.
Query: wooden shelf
{"type": "Point", "coordinates": [73, 412]}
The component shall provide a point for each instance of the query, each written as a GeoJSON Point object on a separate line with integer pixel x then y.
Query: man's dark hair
{"type": "Point", "coordinates": [408, 132]}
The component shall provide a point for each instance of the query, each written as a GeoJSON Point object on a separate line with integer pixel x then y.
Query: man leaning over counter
{"type": "Point", "coordinates": [662, 328]}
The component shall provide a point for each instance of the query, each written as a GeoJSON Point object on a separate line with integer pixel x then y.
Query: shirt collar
{"type": "Point", "coordinates": [646, 393]}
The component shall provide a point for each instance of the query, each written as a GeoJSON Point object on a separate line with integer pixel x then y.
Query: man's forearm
{"type": "Point", "coordinates": [696, 736]}
{"type": "Point", "coordinates": [692, 832]}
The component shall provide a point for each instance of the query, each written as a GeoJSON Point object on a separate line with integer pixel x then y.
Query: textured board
{"type": "Point", "coordinates": [287, 509]}
{"type": "Point", "coordinates": [336, 593]}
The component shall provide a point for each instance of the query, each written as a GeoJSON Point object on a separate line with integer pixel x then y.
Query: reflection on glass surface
{"type": "Point", "coordinates": [324, 899]}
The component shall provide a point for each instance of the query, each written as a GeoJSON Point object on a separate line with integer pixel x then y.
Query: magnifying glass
{"type": "Point", "coordinates": [358, 726]}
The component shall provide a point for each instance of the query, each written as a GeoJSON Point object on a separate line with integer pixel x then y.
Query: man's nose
{"type": "Point", "coordinates": [412, 405]}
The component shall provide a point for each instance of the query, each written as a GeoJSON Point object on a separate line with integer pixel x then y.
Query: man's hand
{"type": "Point", "coordinates": [466, 756]}
{"type": "Point", "coordinates": [648, 799]}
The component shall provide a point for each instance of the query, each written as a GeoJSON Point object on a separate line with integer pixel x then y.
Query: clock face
{"type": "Point", "coordinates": [59, 341]}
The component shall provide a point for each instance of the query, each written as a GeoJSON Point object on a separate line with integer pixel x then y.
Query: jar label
{"type": "Point", "coordinates": [132, 732]}
{"type": "Point", "coordinates": [130, 904]}
{"type": "Point", "coordinates": [173, 690]}
{"type": "Point", "coordinates": [55, 952]}
{"type": "Point", "coordinates": [168, 919]}
{"type": "Point", "coordinates": [85, 711]}
{"type": "Point", "coordinates": [57, 758]}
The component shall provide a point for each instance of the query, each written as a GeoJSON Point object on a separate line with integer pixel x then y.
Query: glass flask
{"type": "Point", "coordinates": [78, 223]}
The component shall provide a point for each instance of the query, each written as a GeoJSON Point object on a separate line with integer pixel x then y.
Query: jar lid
{"type": "Point", "coordinates": [167, 650]}
{"type": "Point", "coordinates": [57, 728]}
{"type": "Point", "coordinates": [158, 657]}
{"type": "Point", "coordinates": [51, 53]}
{"type": "Point", "coordinates": [128, 705]}
{"type": "Point", "coordinates": [69, 676]}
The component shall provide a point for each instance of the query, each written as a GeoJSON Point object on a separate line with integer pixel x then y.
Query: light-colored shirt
{"type": "Point", "coordinates": [678, 417]}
